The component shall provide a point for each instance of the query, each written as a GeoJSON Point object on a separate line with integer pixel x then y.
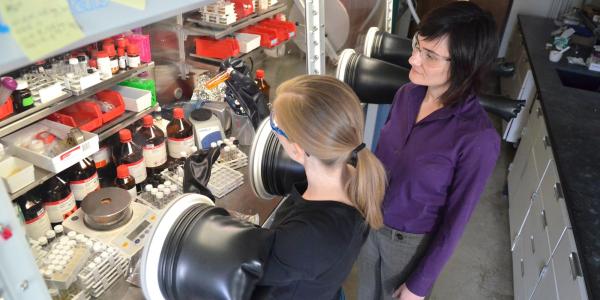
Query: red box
{"type": "Point", "coordinates": [282, 34]}
{"type": "Point", "coordinates": [220, 49]}
{"type": "Point", "coordinates": [114, 98]}
{"type": "Point", "coordinates": [288, 26]}
{"type": "Point", "coordinates": [243, 8]}
{"type": "Point", "coordinates": [85, 115]}
{"type": "Point", "coordinates": [268, 36]}
{"type": "Point", "coordinates": [6, 109]}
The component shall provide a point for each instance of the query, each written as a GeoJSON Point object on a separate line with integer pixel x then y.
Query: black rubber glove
{"type": "Point", "coordinates": [196, 171]}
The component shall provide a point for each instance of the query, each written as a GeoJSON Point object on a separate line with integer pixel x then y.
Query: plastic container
{"type": "Point", "coordinates": [143, 44]}
{"type": "Point", "coordinates": [243, 8]}
{"type": "Point", "coordinates": [85, 115]}
{"type": "Point", "coordinates": [207, 128]}
{"type": "Point", "coordinates": [220, 49]}
{"type": "Point", "coordinates": [282, 33]}
{"type": "Point", "coordinates": [247, 41]}
{"type": "Point", "coordinates": [16, 173]}
{"type": "Point", "coordinates": [7, 108]}
{"type": "Point", "coordinates": [135, 99]}
{"type": "Point", "coordinates": [268, 37]}
{"type": "Point", "coordinates": [116, 100]}
{"type": "Point", "coordinates": [142, 84]}
{"type": "Point", "coordinates": [289, 27]}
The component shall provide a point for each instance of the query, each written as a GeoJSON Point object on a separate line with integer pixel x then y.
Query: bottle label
{"type": "Point", "coordinates": [38, 226]}
{"type": "Point", "coordinates": [27, 101]}
{"type": "Point", "coordinates": [102, 157]}
{"type": "Point", "coordinates": [61, 209]}
{"type": "Point", "coordinates": [81, 188]}
{"type": "Point", "coordinates": [176, 146]}
{"type": "Point", "coordinates": [122, 62]}
{"type": "Point", "coordinates": [114, 65]}
{"type": "Point", "coordinates": [133, 192]}
{"type": "Point", "coordinates": [137, 170]}
{"type": "Point", "coordinates": [133, 61]}
{"type": "Point", "coordinates": [155, 155]}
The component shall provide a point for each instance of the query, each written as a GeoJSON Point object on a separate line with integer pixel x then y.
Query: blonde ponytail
{"type": "Point", "coordinates": [324, 116]}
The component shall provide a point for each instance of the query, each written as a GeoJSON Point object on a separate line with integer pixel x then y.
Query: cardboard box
{"type": "Point", "coordinates": [135, 99]}
{"type": "Point", "coordinates": [56, 163]}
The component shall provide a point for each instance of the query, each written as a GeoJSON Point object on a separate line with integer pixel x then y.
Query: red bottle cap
{"type": "Point", "coordinates": [121, 43]}
{"type": "Point", "coordinates": [121, 52]}
{"type": "Point", "coordinates": [110, 49]}
{"type": "Point", "coordinates": [178, 113]}
{"type": "Point", "coordinates": [148, 121]}
{"type": "Point", "coordinates": [102, 54]}
{"type": "Point", "coordinates": [122, 171]}
{"type": "Point", "coordinates": [46, 137]}
{"type": "Point", "coordinates": [107, 41]}
{"type": "Point", "coordinates": [260, 73]}
{"type": "Point", "coordinates": [125, 135]}
{"type": "Point", "coordinates": [93, 63]}
{"type": "Point", "coordinates": [132, 50]}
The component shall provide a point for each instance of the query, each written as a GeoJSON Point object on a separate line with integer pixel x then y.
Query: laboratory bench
{"type": "Point", "coordinates": [553, 182]}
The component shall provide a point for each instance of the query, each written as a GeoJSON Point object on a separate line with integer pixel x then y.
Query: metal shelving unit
{"type": "Point", "coordinates": [198, 27]}
{"type": "Point", "coordinates": [37, 113]}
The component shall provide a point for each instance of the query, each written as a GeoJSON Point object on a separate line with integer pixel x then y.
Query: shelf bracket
{"type": "Point", "coordinates": [181, 37]}
{"type": "Point", "coordinates": [314, 12]}
{"type": "Point", "coordinates": [389, 14]}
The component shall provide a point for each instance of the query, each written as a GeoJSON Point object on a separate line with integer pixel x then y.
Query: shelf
{"type": "Point", "coordinates": [128, 118]}
{"type": "Point", "coordinates": [103, 133]}
{"type": "Point", "coordinates": [100, 23]}
{"type": "Point", "coordinates": [198, 27]}
{"type": "Point", "coordinates": [217, 60]}
{"type": "Point", "coordinates": [37, 113]}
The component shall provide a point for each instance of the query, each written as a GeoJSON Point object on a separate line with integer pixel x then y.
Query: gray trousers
{"type": "Point", "coordinates": [386, 260]}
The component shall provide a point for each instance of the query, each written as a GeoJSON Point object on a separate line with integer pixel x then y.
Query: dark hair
{"type": "Point", "coordinates": [472, 44]}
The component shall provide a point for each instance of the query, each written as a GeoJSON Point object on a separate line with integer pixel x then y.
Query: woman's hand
{"type": "Point", "coordinates": [403, 293]}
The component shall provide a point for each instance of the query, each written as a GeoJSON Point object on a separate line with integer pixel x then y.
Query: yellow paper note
{"type": "Point", "coordinates": [139, 4]}
{"type": "Point", "coordinates": [40, 26]}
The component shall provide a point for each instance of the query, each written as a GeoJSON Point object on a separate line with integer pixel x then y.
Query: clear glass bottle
{"type": "Point", "coordinates": [83, 179]}
{"type": "Point", "coordinates": [180, 135]}
{"type": "Point", "coordinates": [58, 200]}
{"type": "Point", "coordinates": [130, 154]}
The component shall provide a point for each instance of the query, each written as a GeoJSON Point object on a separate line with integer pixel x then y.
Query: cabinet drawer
{"type": "Point", "coordinates": [554, 204]}
{"type": "Point", "coordinates": [546, 288]}
{"type": "Point", "coordinates": [518, 272]}
{"type": "Point", "coordinates": [541, 149]}
{"type": "Point", "coordinates": [569, 279]}
{"type": "Point", "coordinates": [519, 203]}
{"type": "Point", "coordinates": [535, 244]}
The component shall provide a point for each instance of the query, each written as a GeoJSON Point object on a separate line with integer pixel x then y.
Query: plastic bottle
{"type": "Point", "coordinates": [83, 179]}
{"type": "Point", "coordinates": [133, 56]}
{"type": "Point", "coordinates": [126, 181]}
{"type": "Point", "coordinates": [180, 135]}
{"type": "Point", "coordinates": [22, 99]}
{"type": "Point", "coordinates": [104, 66]}
{"type": "Point", "coordinates": [130, 154]}
{"type": "Point", "coordinates": [58, 200]}
{"type": "Point", "coordinates": [154, 146]}
{"type": "Point", "coordinates": [218, 79]}
{"type": "Point", "coordinates": [263, 86]}
{"type": "Point", "coordinates": [122, 59]}
{"type": "Point", "coordinates": [36, 218]}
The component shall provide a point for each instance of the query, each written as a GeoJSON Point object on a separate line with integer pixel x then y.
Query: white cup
{"type": "Point", "coordinates": [555, 56]}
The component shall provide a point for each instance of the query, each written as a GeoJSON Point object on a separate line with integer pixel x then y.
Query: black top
{"type": "Point", "coordinates": [572, 120]}
{"type": "Point", "coordinates": [315, 246]}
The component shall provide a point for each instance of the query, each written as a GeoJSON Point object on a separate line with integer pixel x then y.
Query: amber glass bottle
{"type": "Point", "coordinates": [263, 86]}
{"type": "Point", "coordinates": [83, 179]}
{"type": "Point", "coordinates": [58, 200]}
{"type": "Point", "coordinates": [126, 181]}
{"type": "Point", "coordinates": [130, 154]}
{"type": "Point", "coordinates": [153, 141]}
{"type": "Point", "coordinates": [180, 135]}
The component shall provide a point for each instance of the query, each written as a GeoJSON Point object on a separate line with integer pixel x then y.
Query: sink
{"type": "Point", "coordinates": [579, 79]}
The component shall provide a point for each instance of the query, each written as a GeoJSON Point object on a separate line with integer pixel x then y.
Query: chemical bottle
{"type": "Point", "coordinates": [154, 146]}
{"type": "Point", "coordinates": [126, 181]}
{"type": "Point", "coordinates": [83, 179]}
{"type": "Point", "coordinates": [58, 200]}
{"type": "Point", "coordinates": [122, 59]}
{"type": "Point", "coordinates": [263, 86]}
{"type": "Point", "coordinates": [22, 99]}
{"type": "Point", "coordinates": [180, 135]}
{"type": "Point", "coordinates": [36, 218]}
{"type": "Point", "coordinates": [104, 164]}
{"type": "Point", "coordinates": [103, 62]}
{"type": "Point", "coordinates": [112, 55]}
{"type": "Point", "coordinates": [133, 56]}
{"type": "Point", "coordinates": [130, 154]}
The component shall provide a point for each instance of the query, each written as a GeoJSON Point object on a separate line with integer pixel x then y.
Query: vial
{"type": "Point", "coordinates": [89, 244]}
{"type": "Point", "coordinates": [80, 237]}
{"type": "Point", "coordinates": [161, 187]}
{"type": "Point", "coordinates": [167, 193]}
{"type": "Point", "coordinates": [43, 241]}
{"type": "Point", "coordinates": [91, 266]}
{"type": "Point", "coordinates": [173, 189]}
{"type": "Point", "coordinates": [59, 230]}
{"type": "Point", "coordinates": [50, 235]}
{"type": "Point", "coordinates": [97, 260]}
{"type": "Point", "coordinates": [72, 234]}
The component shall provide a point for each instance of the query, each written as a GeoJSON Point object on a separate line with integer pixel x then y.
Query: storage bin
{"type": "Point", "coordinates": [114, 98]}
{"type": "Point", "coordinates": [135, 99]}
{"type": "Point", "coordinates": [143, 43]}
{"type": "Point", "coordinates": [16, 173]}
{"type": "Point", "coordinates": [247, 41]}
{"type": "Point", "coordinates": [58, 162]}
{"type": "Point", "coordinates": [220, 49]}
{"type": "Point", "coordinates": [6, 109]}
{"type": "Point", "coordinates": [268, 37]}
{"type": "Point", "coordinates": [85, 115]}
{"type": "Point", "coordinates": [289, 27]}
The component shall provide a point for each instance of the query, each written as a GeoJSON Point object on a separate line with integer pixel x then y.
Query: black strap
{"type": "Point", "coordinates": [354, 154]}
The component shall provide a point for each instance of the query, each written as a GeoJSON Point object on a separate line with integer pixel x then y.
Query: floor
{"type": "Point", "coordinates": [481, 267]}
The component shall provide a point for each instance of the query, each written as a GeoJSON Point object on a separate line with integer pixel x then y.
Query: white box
{"type": "Point", "coordinates": [59, 162]}
{"type": "Point", "coordinates": [247, 41]}
{"type": "Point", "coordinates": [16, 173]}
{"type": "Point", "coordinates": [135, 99]}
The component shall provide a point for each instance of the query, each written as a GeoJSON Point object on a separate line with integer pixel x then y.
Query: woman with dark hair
{"type": "Point", "coordinates": [439, 148]}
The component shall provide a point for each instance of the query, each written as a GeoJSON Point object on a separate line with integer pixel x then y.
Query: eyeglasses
{"type": "Point", "coordinates": [275, 128]}
{"type": "Point", "coordinates": [429, 58]}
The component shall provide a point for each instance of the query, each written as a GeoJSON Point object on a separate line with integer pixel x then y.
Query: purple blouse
{"type": "Point", "coordinates": [437, 171]}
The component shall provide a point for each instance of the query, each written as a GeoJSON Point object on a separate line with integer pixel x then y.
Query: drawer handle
{"type": "Point", "coordinates": [558, 192]}
{"type": "Point", "coordinates": [532, 244]}
{"type": "Point", "coordinates": [575, 267]}
{"type": "Point", "coordinates": [544, 219]}
{"type": "Point", "coordinates": [546, 141]}
{"type": "Point", "coordinates": [522, 268]}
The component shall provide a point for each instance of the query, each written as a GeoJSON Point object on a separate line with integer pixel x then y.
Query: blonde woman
{"type": "Point", "coordinates": [319, 122]}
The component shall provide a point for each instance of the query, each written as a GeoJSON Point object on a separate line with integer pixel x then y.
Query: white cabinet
{"type": "Point", "coordinates": [546, 287]}
{"type": "Point", "coordinates": [569, 279]}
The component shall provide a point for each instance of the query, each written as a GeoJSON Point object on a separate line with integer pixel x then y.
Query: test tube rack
{"type": "Point", "coordinates": [223, 180]}
{"type": "Point", "coordinates": [102, 272]}
{"type": "Point", "coordinates": [240, 159]}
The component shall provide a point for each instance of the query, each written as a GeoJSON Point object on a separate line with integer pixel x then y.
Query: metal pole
{"type": "Point", "coordinates": [315, 36]}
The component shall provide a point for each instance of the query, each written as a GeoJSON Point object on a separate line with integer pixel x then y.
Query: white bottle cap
{"type": "Point", "coordinates": [173, 189]}
{"type": "Point", "coordinates": [148, 187]}
{"type": "Point", "coordinates": [59, 268]}
{"type": "Point", "coordinates": [160, 195]}
{"type": "Point", "coordinates": [161, 187]}
{"type": "Point", "coordinates": [213, 145]}
{"type": "Point", "coordinates": [73, 61]}
{"type": "Point", "coordinates": [154, 191]}
{"type": "Point", "coordinates": [72, 234]}
{"type": "Point", "coordinates": [167, 183]}
{"type": "Point", "coordinates": [91, 266]}
{"type": "Point", "coordinates": [98, 260]}
{"type": "Point", "coordinates": [64, 239]}
{"type": "Point", "coordinates": [47, 273]}
{"type": "Point", "coordinates": [43, 241]}
{"type": "Point", "coordinates": [72, 243]}
{"type": "Point", "coordinates": [50, 234]}
{"type": "Point", "coordinates": [219, 142]}
{"type": "Point", "coordinates": [89, 244]}
{"type": "Point", "coordinates": [98, 247]}
{"type": "Point", "coordinates": [80, 237]}
{"type": "Point", "coordinates": [104, 255]}
{"type": "Point", "coordinates": [167, 192]}
{"type": "Point", "coordinates": [59, 229]}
